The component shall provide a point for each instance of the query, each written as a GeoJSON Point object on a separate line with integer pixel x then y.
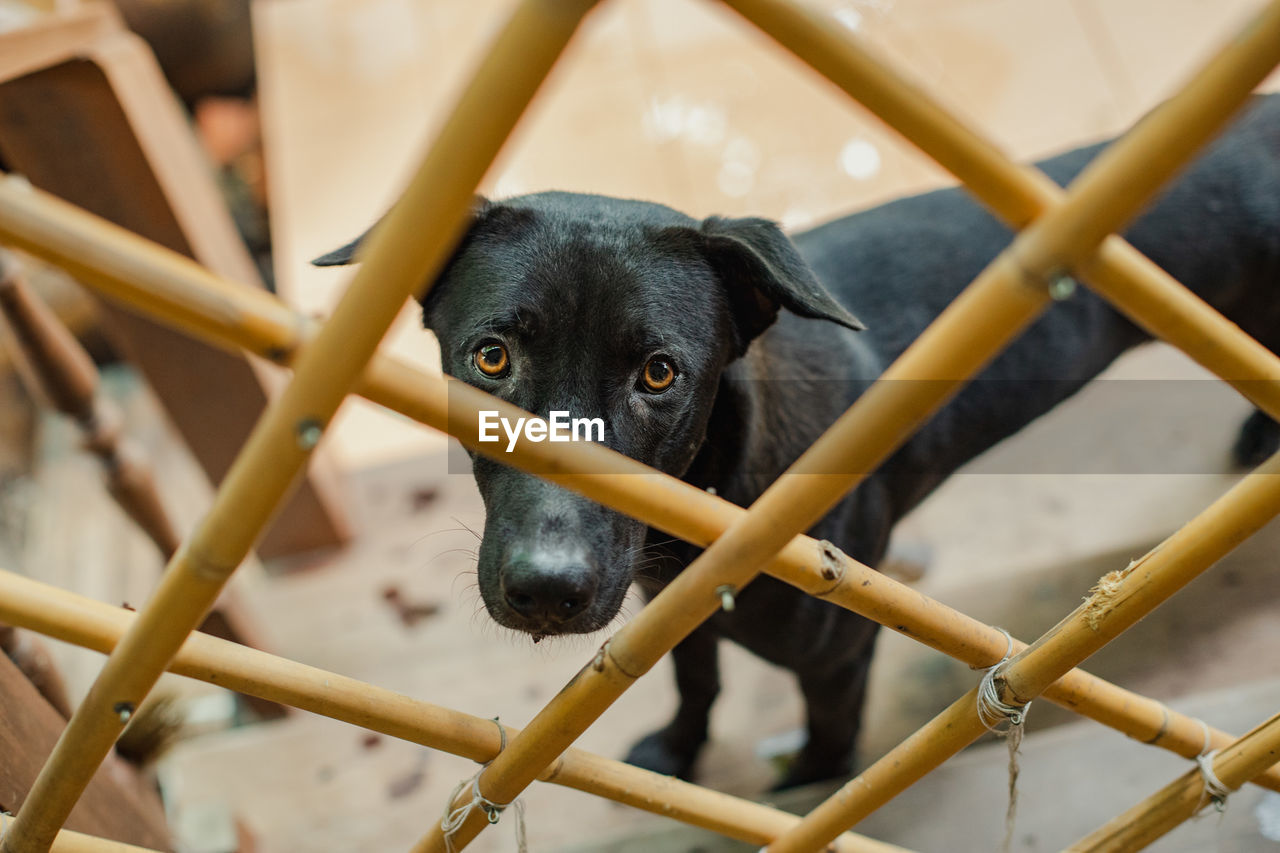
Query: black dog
{"type": "Point", "coordinates": [670, 330]}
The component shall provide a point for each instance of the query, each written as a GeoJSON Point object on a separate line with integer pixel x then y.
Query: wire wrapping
{"type": "Point", "coordinates": [455, 817]}
{"type": "Point", "coordinates": [994, 712]}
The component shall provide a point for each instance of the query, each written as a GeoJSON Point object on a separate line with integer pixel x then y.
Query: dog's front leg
{"type": "Point", "coordinates": [673, 749]}
{"type": "Point", "coordinates": [1259, 437]}
{"type": "Point", "coordinates": [833, 696]}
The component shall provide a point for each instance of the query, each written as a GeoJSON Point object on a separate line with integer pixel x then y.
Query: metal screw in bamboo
{"type": "Point", "coordinates": [1184, 797]}
{"type": "Point", "coordinates": [94, 625]}
{"type": "Point", "coordinates": [172, 288]}
{"type": "Point", "coordinates": [404, 250]}
{"type": "Point", "coordinates": [982, 320]}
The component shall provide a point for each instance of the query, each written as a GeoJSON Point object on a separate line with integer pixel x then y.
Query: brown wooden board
{"type": "Point", "coordinates": [105, 134]}
{"type": "Point", "coordinates": [116, 805]}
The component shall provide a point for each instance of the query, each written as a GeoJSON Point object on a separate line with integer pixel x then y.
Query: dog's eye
{"type": "Point", "coordinates": [659, 373]}
{"type": "Point", "coordinates": [492, 360]}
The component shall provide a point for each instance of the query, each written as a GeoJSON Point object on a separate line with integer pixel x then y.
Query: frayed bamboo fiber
{"type": "Point", "coordinates": [407, 247]}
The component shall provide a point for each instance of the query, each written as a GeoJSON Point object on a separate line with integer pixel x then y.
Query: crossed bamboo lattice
{"type": "Point", "coordinates": [1061, 234]}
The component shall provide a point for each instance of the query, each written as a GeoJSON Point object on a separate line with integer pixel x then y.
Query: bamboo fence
{"type": "Point", "coordinates": [1067, 233]}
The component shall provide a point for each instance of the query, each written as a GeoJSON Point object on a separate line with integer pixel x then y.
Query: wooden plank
{"type": "Point", "coordinates": [116, 805]}
{"type": "Point", "coordinates": [65, 373]}
{"type": "Point", "coordinates": [104, 132]}
{"type": "Point", "coordinates": [49, 41]}
{"type": "Point", "coordinates": [104, 556]}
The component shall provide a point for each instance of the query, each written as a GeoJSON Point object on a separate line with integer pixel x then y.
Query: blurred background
{"type": "Point", "coordinates": [304, 118]}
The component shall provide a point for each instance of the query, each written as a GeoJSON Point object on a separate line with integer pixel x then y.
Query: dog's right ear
{"type": "Point", "coordinates": [762, 272]}
{"type": "Point", "coordinates": [348, 254]}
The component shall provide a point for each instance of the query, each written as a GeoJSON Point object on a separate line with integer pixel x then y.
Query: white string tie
{"type": "Point", "coordinates": [455, 817]}
{"type": "Point", "coordinates": [993, 712]}
{"type": "Point", "coordinates": [1214, 791]}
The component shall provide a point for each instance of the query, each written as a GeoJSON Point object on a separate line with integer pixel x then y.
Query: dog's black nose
{"type": "Point", "coordinates": [548, 588]}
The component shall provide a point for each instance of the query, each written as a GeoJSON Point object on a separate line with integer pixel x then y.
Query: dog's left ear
{"type": "Point", "coordinates": [342, 255]}
{"type": "Point", "coordinates": [347, 254]}
{"type": "Point", "coordinates": [762, 271]}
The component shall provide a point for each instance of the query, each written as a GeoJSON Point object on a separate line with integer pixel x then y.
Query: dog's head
{"type": "Point", "coordinates": [624, 311]}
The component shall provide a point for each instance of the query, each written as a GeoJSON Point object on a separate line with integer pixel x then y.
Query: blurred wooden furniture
{"type": "Point", "coordinates": [64, 373]}
{"type": "Point", "coordinates": [116, 805]}
{"type": "Point", "coordinates": [28, 652]}
{"type": "Point", "coordinates": [86, 114]}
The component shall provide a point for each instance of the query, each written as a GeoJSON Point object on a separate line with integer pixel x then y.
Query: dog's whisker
{"type": "Point", "coordinates": [470, 552]}
{"type": "Point", "coordinates": [466, 527]}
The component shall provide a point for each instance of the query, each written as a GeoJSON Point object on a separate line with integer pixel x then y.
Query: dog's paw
{"type": "Point", "coordinates": [1259, 438]}
{"type": "Point", "coordinates": [658, 752]}
{"type": "Point", "coordinates": [810, 767]}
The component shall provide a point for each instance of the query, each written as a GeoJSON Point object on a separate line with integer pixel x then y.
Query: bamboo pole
{"type": "Point", "coordinates": [65, 374]}
{"type": "Point", "coordinates": [1185, 796]}
{"type": "Point", "coordinates": [1004, 298]}
{"type": "Point", "coordinates": [63, 371]}
{"type": "Point", "coordinates": [173, 288]}
{"type": "Point", "coordinates": [404, 251]}
{"type": "Point", "coordinates": [1121, 598]}
{"type": "Point", "coordinates": [1018, 193]}
{"type": "Point", "coordinates": [94, 625]}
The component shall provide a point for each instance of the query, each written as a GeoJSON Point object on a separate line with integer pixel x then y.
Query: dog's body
{"type": "Point", "coordinates": [579, 297]}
